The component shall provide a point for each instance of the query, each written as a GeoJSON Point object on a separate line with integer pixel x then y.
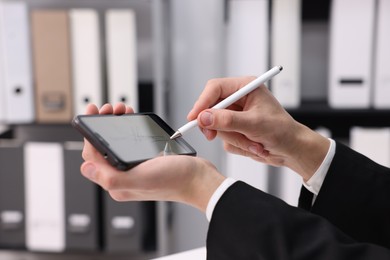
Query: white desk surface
{"type": "Point", "coordinates": [195, 254]}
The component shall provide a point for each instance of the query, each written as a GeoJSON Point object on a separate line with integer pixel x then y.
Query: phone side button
{"type": "Point", "coordinates": [105, 144]}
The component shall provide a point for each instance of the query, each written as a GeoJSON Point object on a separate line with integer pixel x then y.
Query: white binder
{"type": "Point", "coordinates": [122, 57]}
{"type": "Point", "coordinates": [193, 254]}
{"type": "Point", "coordinates": [289, 187]}
{"type": "Point", "coordinates": [382, 71]}
{"type": "Point", "coordinates": [286, 51]}
{"type": "Point", "coordinates": [2, 87]}
{"type": "Point", "coordinates": [44, 190]}
{"type": "Point", "coordinates": [247, 54]}
{"type": "Point", "coordinates": [372, 142]}
{"type": "Point", "coordinates": [17, 100]}
{"type": "Point", "coordinates": [351, 46]}
{"type": "Point", "coordinates": [247, 37]}
{"type": "Point", "coordinates": [85, 39]}
{"type": "Point", "coordinates": [247, 170]}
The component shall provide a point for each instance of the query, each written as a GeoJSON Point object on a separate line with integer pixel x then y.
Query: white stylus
{"type": "Point", "coordinates": [233, 97]}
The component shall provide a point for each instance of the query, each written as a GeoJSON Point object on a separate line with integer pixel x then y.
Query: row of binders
{"type": "Point", "coordinates": [359, 54]}
{"type": "Point", "coordinates": [46, 205]}
{"type": "Point", "coordinates": [359, 57]}
{"type": "Point", "coordinates": [51, 61]}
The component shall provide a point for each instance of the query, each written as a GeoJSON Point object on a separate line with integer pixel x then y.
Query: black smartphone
{"type": "Point", "coordinates": [129, 139]}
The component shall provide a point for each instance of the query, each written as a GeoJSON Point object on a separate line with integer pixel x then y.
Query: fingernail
{"type": "Point", "coordinates": [89, 171]}
{"type": "Point", "coordinates": [206, 118]}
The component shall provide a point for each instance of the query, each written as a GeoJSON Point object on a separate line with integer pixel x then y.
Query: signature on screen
{"type": "Point", "coordinates": [141, 137]}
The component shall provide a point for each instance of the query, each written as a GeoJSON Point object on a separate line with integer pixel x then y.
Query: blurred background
{"type": "Point", "coordinates": [56, 56]}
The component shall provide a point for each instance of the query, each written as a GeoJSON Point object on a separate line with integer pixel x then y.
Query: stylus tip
{"type": "Point", "coordinates": [175, 135]}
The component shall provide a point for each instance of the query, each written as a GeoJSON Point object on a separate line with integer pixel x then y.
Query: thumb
{"type": "Point", "coordinates": [223, 120]}
{"type": "Point", "coordinates": [104, 175]}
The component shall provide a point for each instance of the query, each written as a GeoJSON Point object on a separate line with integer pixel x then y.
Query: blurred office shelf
{"type": "Point", "coordinates": [316, 114]}
{"type": "Point", "coordinates": [313, 113]}
{"type": "Point", "coordinates": [24, 255]}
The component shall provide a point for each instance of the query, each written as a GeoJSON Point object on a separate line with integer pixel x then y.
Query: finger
{"type": "Point", "coordinates": [119, 109]}
{"type": "Point", "coordinates": [261, 159]}
{"type": "Point", "coordinates": [209, 134]}
{"type": "Point", "coordinates": [236, 150]}
{"type": "Point", "coordinates": [129, 110]}
{"type": "Point", "coordinates": [225, 120]}
{"type": "Point", "coordinates": [124, 195]}
{"type": "Point", "coordinates": [216, 90]}
{"type": "Point", "coordinates": [209, 97]}
{"type": "Point", "coordinates": [132, 195]}
{"type": "Point", "coordinates": [106, 109]}
{"type": "Point", "coordinates": [109, 178]}
{"type": "Point", "coordinates": [85, 154]}
{"type": "Point", "coordinates": [241, 142]}
{"type": "Point", "coordinates": [89, 151]}
{"type": "Point", "coordinates": [91, 109]}
{"type": "Point", "coordinates": [102, 173]}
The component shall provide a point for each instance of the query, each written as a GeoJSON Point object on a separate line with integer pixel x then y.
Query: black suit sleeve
{"type": "Point", "coordinates": [355, 197]}
{"type": "Point", "coordinates": [250, 224]}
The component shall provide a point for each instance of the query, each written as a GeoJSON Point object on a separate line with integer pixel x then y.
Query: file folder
{"type": "Point", "coordinates": [44, 197]}
{"type": "Point", "coordinates": [247, 54]}
{"type": "Point", "coordinates": [17, 96]}
{"type": "Point", "coordinates": [247, 37]}
{"type": "Point", "coordinates": [351, 53]}
{"type": "Point", "coordinates": [86, 60]}
{"type": "Point", "coordinates": [193, 254]}
{"type": "Point", "coordinates": [289, 187]}
{"type": "Point", "coordinates": [123, 225]}
{"type": "Point", "coordinates": [2, 84]}
{"type": "Point", "coordinates": [51, 54]}
{"type": "Point", "coordinates": [286, 51]}
{"type": "Point", "coordinates": [122, 57]}
{"type": "Point", "coordinates": [247, 170]}
{"type": "Point", "coordinates": [382, 57]}
{"type": "Point", "coordinates": [12, 213]}
{"type": "Point", "coordinates": [372, 142]}
{"type": "Point", "coordinates": [2, 97]}
{"type": "Point", "coordinates": [81, 203]}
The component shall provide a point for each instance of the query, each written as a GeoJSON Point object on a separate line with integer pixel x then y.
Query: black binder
{"type": "Point", "coordinates": [123, 226]}
{"type": "Point", "coordinates": [12, 213]}
{"type": "Point", "coordinates": [81, 203]}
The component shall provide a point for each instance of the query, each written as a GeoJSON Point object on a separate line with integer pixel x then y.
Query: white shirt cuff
{"type": "Point", "coordinates": [217, 195]}
{"type": "Point", "coordinates": [315, 182]}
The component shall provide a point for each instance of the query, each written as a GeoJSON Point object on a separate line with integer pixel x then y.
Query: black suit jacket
{"type": "Point", "coordinates": [349, 220]}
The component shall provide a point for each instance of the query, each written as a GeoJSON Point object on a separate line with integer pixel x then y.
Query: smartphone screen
{"type": "Point", "coordinates": [129, 139]}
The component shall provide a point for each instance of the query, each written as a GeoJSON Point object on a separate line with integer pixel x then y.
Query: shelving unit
{"type": "Point", "coordinates": [339, 121]}
{"type": "Point", "coordinates": [18, 255]}
{"type": "Point", "coordinates": [314, 110]}
{"type": "Point", "coordinates": [156, 81]}
{"type": "Point", "coordinates": [152, 80]}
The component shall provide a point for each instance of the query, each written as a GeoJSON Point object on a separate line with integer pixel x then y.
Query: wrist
{"type": "Point", "coordinates": [310, 149]}
{"type": "Point", "coordinates": [204, 183]}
